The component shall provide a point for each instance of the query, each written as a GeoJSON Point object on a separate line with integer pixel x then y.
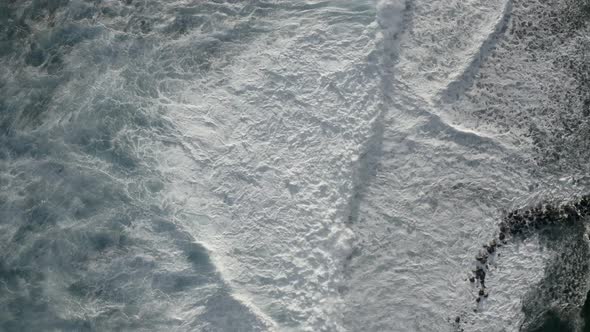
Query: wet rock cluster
{"type": "Point", "coordinates": [522, 223]}
{"type": "Point", "coordinates": [560, 225]}
{"type": "Point", "coordinates": [481, 267]}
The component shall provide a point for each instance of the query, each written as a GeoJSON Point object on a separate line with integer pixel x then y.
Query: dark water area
{"type": "Point", "coordinates": [554, 323]}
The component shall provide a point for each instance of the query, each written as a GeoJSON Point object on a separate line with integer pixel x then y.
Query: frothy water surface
{"type": "Point", "coordinates": [276, 165]}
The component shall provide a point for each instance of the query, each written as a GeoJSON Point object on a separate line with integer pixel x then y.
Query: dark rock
{"type": "Point", "coordinates": [490, 248]}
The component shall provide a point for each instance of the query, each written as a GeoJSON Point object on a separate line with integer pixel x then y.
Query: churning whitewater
{"type": "Point", "coordinates": [296, 165]}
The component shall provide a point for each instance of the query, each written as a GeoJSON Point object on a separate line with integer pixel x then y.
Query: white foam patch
{"type": "Point", "coordinates": [273, 172]}
{"type": "Point", "coordinates": [438, 189]}
{"type": "Point", "coordinates": [443, 38]}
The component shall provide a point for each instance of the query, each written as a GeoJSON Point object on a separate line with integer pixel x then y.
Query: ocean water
{"type": "Point", "coordinates": [264, 165]}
